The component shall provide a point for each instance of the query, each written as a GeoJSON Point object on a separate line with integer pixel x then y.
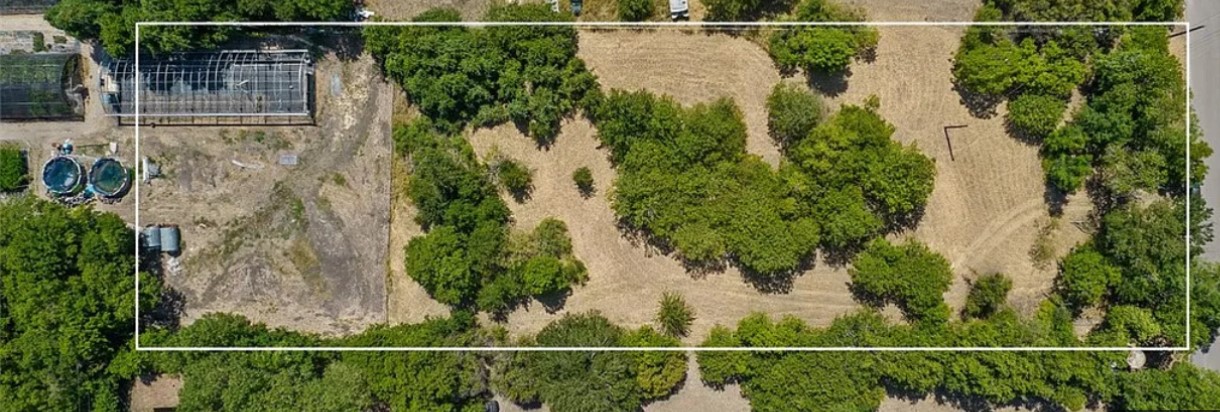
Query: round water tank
{"type": "Point", "coordinates": [169, 239]}
{"type": "Point", "coordinates": [152, 238]}
{"type": "Point", "coordinates": [63, 175]}
{"type": "Point", "coordinates": [108, 177]}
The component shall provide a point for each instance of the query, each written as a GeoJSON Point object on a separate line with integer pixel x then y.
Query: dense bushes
{"type": "Point", "coordinates": [987, 295]}
{"type": "Point", "coordinates": [458, 76]}
{"type": "Point", "coordinates": [792, 112]}
{"type": "Point", "coordinates": [685, 179]}
{"type": "Point", "coordinates": [468, 257]}
{"type": "Point", "coordinates": [909, 275]}
{"type": "Point", "coordinates": [1035, 115]}
{"type": "Point", "coordinates": [822, 49]}
{"type": "Point", "coordinates": [66, 306]}
{"type": "Point", "coordinates": [730, 10]}
{"type": "Point", "coordinates": [14, 171]}
{"type": "Point", "coordinates": [516, 177]}
{"type": "Point", "coordinates": [588, 380]}
{"type": "Point", "coordinates": [112, 22]}
{"type": "Point", "coordinates": [1132, 125]}
{"type": "Point", "coordinates": [1085, 10]}
{"type": "Point", "coordinates": [634, 10]}
{"type": "Point", "coordinates": [859, 179]}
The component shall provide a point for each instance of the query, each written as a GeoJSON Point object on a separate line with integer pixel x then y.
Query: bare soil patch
{"type": "Point", "coordinates": [155, 395]}
{"type": "Point", "coordinates": [925, 10]}
{"type": "Point", "coordinates": [300, 246]}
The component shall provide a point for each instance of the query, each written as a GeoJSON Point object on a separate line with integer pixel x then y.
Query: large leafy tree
{"type": "Point", "coordinates": [458, 76]}
{"type": "Point", "coordinates": [822, 48]}
{"type": "Point", "coordinates": [66, 314]}
{"type": "Point", "coordinates": [590, 380]}
{"type": "Point", "coordinates": [910, 275]}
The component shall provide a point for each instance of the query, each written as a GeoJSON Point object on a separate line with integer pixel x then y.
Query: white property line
{"type": "Point", "coordinates": [686, 24]}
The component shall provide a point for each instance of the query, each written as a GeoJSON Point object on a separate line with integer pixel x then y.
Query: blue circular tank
{"type": "Point", "coordinates": [63, 175]}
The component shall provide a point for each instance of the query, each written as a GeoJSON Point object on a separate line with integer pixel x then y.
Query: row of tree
{"type": "Point", "coordinates": [858, 381]}
{"type": "Point", "coordinates": [112, 22]}
{"type": "Point", "coordinates": [66, 313]}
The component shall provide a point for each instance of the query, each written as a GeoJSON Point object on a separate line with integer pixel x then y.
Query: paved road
{"type": "Point", "coordinates": [1204, 65]}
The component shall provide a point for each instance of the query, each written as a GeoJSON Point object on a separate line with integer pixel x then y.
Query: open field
{"type": "Point", "coordinates": [988, 204]}
{"type": "Point", "coordinates": [985, 214]}
{"type": "Point", "coordinates": [300, 246]}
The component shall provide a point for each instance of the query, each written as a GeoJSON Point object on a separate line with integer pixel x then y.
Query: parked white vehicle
{"type": "Point", "coordinates": [678, 9]}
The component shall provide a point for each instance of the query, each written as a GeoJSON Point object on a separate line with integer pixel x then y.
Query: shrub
{"type": "Point", "coordinates": [909, 275]}
{"type": "Point", "coordinates": [656, 373]}
{"type": "Point", "coordinates": [730, 10]}
{"type": "Point", "coordinates": [675, 316]}
{"type": "Point", "coordinates": [516, 178]}
{"type": "Point", "coordinates": [634, 10]}
{"type": "Point", "coordinates": [1085, 276]}
{"type": "Point", "coordinates": [1035, 115]}
{"type": "Point", "coordinates": [14, 172]}
{"type": "Point", "coordinates": [583, 178]}
{"type": "Point", "coordinates": [792, 112]}
{"type": "Point", "coordinates": [987, 295]}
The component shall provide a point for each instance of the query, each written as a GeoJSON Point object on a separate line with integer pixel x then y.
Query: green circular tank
{"type": "Point", "coordinates": [108, 177]}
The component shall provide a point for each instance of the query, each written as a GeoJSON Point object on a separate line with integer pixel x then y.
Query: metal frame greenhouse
{"type": "Point", "coordinates": [238, 83]}
{"type": "Point", "coordinates": [40, 87]}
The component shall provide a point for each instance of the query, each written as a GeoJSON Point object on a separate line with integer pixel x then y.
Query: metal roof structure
{"type": "Point", "coordinates": [40, 87]}
{"type": "Point", "coordinates": [214, 84]}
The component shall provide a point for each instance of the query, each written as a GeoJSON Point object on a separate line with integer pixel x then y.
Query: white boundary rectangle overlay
{"type": "Point", "coordinates": [686, 24]}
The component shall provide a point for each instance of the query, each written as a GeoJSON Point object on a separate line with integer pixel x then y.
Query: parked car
{"type": "Point", "coordinates": [679, 9]}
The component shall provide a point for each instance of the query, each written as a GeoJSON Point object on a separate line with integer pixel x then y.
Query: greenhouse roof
{"type": "Point", "coordinates": [225, 83]}
{"type": "Point", "coordinates": [36, 86]}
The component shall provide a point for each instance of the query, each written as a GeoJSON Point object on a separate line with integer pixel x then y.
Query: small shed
{"type": "Point", "coordinates": [169, 240]}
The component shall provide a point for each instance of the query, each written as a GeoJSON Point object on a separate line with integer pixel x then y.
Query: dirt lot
{"type": "Point", "coordinates": [295, 246]}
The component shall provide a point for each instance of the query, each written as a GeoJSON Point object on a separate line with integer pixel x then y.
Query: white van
{"type": "Point", "coordinates": [678, 9]}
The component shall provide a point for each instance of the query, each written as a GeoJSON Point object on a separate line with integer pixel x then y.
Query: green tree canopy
{"type": "Point", "coordinates": [459, 76]}
{"type": "Point", "coordinates": [66, 314]}
{"type": "Point", "coordinates": [910, 275]}
{"type": "Point", "coordinates": [825, 49]}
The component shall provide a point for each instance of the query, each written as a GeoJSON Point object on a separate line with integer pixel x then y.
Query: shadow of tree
{"type": "Point", "coordinates": [981, 106]}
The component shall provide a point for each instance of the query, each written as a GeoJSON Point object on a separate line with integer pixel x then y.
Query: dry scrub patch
{"type": "Point", "coordinates": [627, 279]}
{"type": "Point", "coordinates": [985, 209]}
{"type": "Point", "coordinates": [301, 247]}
